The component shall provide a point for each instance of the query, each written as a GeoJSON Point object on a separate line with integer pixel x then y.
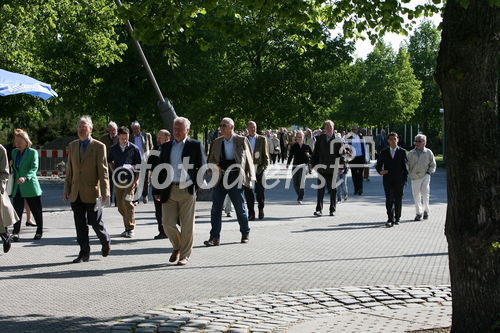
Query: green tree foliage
{"type": "Point", "coordinates": [381, 89]}
{"type": "Point", "coordinates": [423, 49]}
{"type": "Point", "coordinates": [65, 43]}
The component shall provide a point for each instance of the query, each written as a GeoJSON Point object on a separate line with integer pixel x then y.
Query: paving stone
{"type": "Point", "coordinates": [331, 304]}
{"type": "Point", "coordinates": [348, 301]}
{"type": "Point", "coordinates": [435, 299]}
{"type": "Point", "coordinates": [371, 304]}
{"type": "Point", "coordinates": [354, 307]}
{"type": "Point", "coordinates": [414, 300]}
{"type": "Point", "coordinates": [365, 299]}
{"type": "Point", "coordinates": [414, 305]}
{"type": "Point", "coordinates": [145, 330]}
{"type": "Point", "coordinates": [147, 325]}
{"type": "Point", "coordinates": [383, 298]}
{"type": "Point", "coordinates": [392, 302]}
{"type": "Point", "coordinates": [315, 306]}
{"type": "Point", "coordinates": [402, 296]}
{"type": "Point", "coordinates": [167, 330]}
{"type": "Point", "coordinates": [308, 301]}
{"type": "Point", "coordinates": [396, 306]}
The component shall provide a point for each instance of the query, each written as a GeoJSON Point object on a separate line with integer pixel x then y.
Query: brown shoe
{"type": "Point", "coordinates": [244, 238]}
{"type": "Point", "coordinates": [183, 262]}
{"type": "Point", "coordinates": [105, 250]}
{"type": "Point", "coordinates": [175, 256]}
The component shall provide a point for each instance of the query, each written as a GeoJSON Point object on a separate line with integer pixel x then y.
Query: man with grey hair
{"type": "Point", "coordinates": [421, 164]}
{"type": "Point", "coordinates": [143, 141]}
{"type": "Point", "coordinates": [232, 155]}
{"type": "Point", "coordinates": [178, 199]}
{"type": "Point", "coordinates": [109, 139]}
{"type": "Point", "coordinates": [86, 182]}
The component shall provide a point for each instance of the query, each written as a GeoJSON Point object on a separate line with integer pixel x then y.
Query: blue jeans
{"type": "Point", "coordinates": [342, 188]}
{"type": "Point", "coordinates": [237, 197]}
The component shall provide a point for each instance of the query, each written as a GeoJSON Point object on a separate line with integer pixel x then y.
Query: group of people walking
{"type": "Point", "coordinates": [236, 166]}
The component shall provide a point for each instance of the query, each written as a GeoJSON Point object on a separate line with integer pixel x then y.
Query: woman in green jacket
{"type": "Point", "coordinates": [25, 184]}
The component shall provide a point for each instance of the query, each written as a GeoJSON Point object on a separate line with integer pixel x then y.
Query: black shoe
{"type": "Point", "coordinates": [396, 222]}
{"type": "Point", "coordinates": [81, 258]}
{"type": "Point", "coordinates": [6, 244]}
{"type": "Point", "coordinates": [160, 236]}
{"type": "Point", "coordinates": [244, 238]}
{"type": "Point", "coordinates": [15, 237]}
{"type": "Point", "coordinates": [426, 215]}
{"type": "Point", "coordinates": [251, 217]}
{"type": "Point", "coordinates": [389, 224]}
{"type": "Point", "coordinates": [332, 213]}
{"type": "Point", "coordinates": [212, 242]}
{"type": "Point", "coordinates": [30, 224]}
{"type": "Point", "coordinates": [261, 214]}
{"type": "Point", "coordinates": [418, 218]}
{"type": "Point", "coordinates": [37, 237]}
{"type": "Point", "coordinates": [318, 213]}
{"type": "Point", "coordinates": [105, 250]}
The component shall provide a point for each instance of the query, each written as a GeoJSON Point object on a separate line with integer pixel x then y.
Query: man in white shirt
{"type": "Point", "coordinates": [421, 164]}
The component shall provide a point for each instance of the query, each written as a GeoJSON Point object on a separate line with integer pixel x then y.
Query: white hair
{"type": "Point", "coordinates": [86, 119]}
{"type": "Point", "coordinates": [184, 121]}
{"type": "Point", "coordinates": [113, 124]}
{"type": "Point", "coordinates": [421, 136]}
{"type": "Point", "coordinates": [229, 121]}
{"type": "Point", "coordinates": [136, 124]}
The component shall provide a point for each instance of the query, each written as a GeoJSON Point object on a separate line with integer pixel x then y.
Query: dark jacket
{"type": "Point", "coordinates": [397, 166]}
{"type": "Point", "coordinates": [192, 149]}
{"type": "Point", "coordinates": [117, 158]}
{"type": "Point", "coordinates": [323, 154]}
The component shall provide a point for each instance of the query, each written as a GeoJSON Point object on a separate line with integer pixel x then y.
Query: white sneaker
{"type": "Point", "coordinates": [300, 202]}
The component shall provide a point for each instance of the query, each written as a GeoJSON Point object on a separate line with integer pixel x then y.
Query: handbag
{"type": "Point", "coordinates": [9, 187]}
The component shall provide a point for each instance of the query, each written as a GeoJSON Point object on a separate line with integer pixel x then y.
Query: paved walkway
{"type": "Point", "coordinates": [290, 250]}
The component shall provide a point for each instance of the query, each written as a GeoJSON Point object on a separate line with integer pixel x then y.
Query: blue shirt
{"type": "Point", "coordinates": [19, 157]}
{"type": "Point", "coordinates": [176, 159]}
{"type": "Point", "coordinates": [85, 143]}
{"type": "Point", "coordinates": [252, 140]}
{"type": "Point", "coordinates": [357, 145]}
{"type": "Point", "coordinates": [229, 148]}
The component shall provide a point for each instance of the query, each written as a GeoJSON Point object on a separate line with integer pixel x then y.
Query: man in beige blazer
{"type": "Point", "coordinates": [233, 156]}
{"type": "Point", "coordinates": [86, 187]}
{"type": "Point", "coordinates": [260, 153]}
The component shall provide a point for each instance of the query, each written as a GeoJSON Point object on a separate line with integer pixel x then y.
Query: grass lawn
{"type": "Point", "coordinates": [440, 162]}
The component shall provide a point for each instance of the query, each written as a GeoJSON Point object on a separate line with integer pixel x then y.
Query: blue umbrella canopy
{"type": "Point", "coordinates": [14, 83]}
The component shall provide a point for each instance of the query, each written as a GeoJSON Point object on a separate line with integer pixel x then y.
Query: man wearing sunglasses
{"type": "Point", "coordinates": [421, 164]}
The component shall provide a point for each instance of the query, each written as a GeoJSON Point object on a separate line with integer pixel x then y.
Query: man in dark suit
{"type": "Point", "coordinates": [392, 164]}
{"type": "Point", "coordinates": [179, 197]}
{"type": "Point", "coordinates": [260, 153]}
{"type": "Point", "coordinates": [86, 181]}
{"type": "Point", "coordinates": [329, 161]}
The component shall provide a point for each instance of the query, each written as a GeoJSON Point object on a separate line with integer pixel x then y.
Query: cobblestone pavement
{"type": "Point", "coordinates": [289, 250]}
{"type": "Point", "coordinates": [369, 309]}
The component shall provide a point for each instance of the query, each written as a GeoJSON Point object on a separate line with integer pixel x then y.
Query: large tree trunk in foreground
{"type": "Point", "coordinates": [468, 76]}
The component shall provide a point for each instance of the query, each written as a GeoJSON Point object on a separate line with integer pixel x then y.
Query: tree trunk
{"type": "Point", "coordinates": [467, 73]}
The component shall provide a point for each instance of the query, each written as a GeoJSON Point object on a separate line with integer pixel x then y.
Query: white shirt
{"type": "Point", "coordinates": [393, 151]}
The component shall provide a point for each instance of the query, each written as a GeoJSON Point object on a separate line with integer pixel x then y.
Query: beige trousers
{"type": "Point", "coordinates": [179, 207]}
{"type": "Point", "coordinates": [124, 197]}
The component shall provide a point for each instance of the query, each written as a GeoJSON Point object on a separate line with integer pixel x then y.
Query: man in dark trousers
{"type": "Point", "coordinates": [325, 154]}
{"type": "Point", "coordinates": [358, 146]}
{"type": "Point", "coordinates": [392, 164]}
{"type": "Point", "coordinates": [86, 182]}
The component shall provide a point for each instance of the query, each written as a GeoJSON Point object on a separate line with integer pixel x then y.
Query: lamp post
{"type": "Point", "coordinates": [166, 109]}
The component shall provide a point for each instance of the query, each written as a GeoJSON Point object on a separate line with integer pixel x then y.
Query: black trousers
{"type": "Point", "coordinates": [273, 158]}
{"type": "Point", "coordinates": [332, 190]}
{"type": "Point", "coordinates": [357, 174]}
{"type": "Point", "coordinates": [159, 216]}
{"type": "Point", "coordinates": [145, 189]}
{"type": "Point", "coordinates": [259, 194]}
{"type": "Point", "coordinates": [35, 204]}
{"type": "Point", "coordinates": [393, 199]}
{"type": "Point", "coordinates": [284, 151]}
{"type": "Point", "coordinates": [85, 215]}
{"type": "Point", "coordinates": [4, 235]}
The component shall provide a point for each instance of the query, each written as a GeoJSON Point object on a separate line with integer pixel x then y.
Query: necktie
{"type": "Point", "coordinates": [393, 152]}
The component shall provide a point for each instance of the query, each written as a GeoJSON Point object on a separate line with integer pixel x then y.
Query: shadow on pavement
{"type": "Point", "coordinates": [40, 323]}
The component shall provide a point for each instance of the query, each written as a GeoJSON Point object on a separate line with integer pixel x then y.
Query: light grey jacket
{"type": "Point", "coordinates": [7, 214]}
{"type": "Point", "coordinates": [420, 165]}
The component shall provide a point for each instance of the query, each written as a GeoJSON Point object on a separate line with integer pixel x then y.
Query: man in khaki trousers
{"type": "Point", "coordinates": [123, 157]}
{"type": "Point", "coordinates": [186, 157]}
